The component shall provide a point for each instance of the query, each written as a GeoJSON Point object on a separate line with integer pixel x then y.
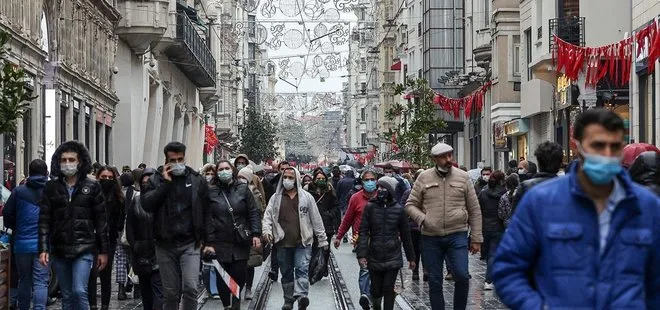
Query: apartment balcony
{"type": "Point", "coordinates": [222, 123]}
{"type": "Point", "coordinates": [483, 55]}
{"type": "Point", "coordinates": [187, 49]}
{"type": "Point", "coordinates": [142, 22]}
{"type": "Point", "coordinates": [569, 29]}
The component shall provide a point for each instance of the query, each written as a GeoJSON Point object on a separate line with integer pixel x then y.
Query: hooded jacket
{"type": "Point", "coordinates": [73, 223]}
{"type": "Point", "coordinates": [156, 198]}
{"type": "Point", "coordinates": [140, 234]}
{"type": "Point", "coordinates": [21, 214]}
{"type": "Point", "coordinates": [383, 229]}
{"type": "Point", "coordinates": [311, 223]}
{"type": "Point", "coordinates": [489, 200]}
{"type": "Point", "coordinates": [554, 237]}
{"type": "Point", "coordinates": [344, 187]}
{"type": "Point", "coordinates": [326, 201]}
{"type": "Point", "coordinates": [256, 182]}
{"type": "Point", "coordinates": [644, 170]}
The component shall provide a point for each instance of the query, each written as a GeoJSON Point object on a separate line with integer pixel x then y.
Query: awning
{"type": "Point", "coordinates": [396, 66]}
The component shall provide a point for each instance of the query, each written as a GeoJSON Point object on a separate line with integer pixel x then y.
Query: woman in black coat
{"type": "Point", "coordinates": [108, 177]}
{"type": "Point", "coordinates": [232, 204]}
{"type": "Point", "coordinates": [383, 229]}
{"type": "Point", "coordinates": [328, 206]}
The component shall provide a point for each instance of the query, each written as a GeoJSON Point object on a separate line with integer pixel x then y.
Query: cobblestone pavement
{"type": "Point", "coordinates": [416, 293]}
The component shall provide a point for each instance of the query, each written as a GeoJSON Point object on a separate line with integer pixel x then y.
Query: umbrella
{"type": "Point", "coordinates": [631, 151]}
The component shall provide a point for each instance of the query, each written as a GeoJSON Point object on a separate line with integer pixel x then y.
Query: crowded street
{"type": "Point", "coordinates": [329, 154]}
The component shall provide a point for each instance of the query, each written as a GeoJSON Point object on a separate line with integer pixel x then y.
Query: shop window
{"type": "Point", "coordinates": [9, 151]}
{"type": "Point", "coordinates": [76, 119]}
{"type": "Point", "coordinates": [108, 131]}
{"type": "Point", "coordinates": [97, 146]}
{"type": "Point", "coordinates": [27, 140]}
{"type": "Point", "coordinates": [87, 128]}
{"type": "Point", "coordinates": [63, 112]}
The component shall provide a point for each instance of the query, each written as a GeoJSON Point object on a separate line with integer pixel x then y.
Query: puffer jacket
{"type": "Point", "coordinates": [328, 206]}
{"type": "Point", "coordinates": [383, 228]}
{"type": "Point", "coordinates": [554, 237]}
{"type": "Point", "coordinates": [21, 214]}
{"type": "Point", "coordinates": [140, 236]}
{"type": "Point", "coordinates": [76, 224]}
{"type": "Point", "coordinates": [445, 205]}
{"type": "Point", "coordinates": [245, 213]}
{"type": "Point", "coordinates": [489, 200]}
{"type": "Point", "coordinates": [644, 170]}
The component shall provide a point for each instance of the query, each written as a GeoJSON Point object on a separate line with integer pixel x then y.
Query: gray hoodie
{"type": "Point", "coordinates": [311, 222]}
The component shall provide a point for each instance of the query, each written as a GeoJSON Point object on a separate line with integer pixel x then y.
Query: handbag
{"type": "Point", "coordinates": [242, 235]}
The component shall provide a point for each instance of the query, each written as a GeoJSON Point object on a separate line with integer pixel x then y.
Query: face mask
{"type": "Point", "coordinates": [288, 184]}
{"type": "Point", "coordinates": [209, 178]}
{"type": "Point", "coordinates": [485, 178]}
{"type": "Point", "coordinates": [239, 167]}
{"type": "Point", "coordinates": [442, 169]}
{"type": "Point", "coordinates": [69, 170]}
{"type": "Point", "coordinates": [600, 169]}
{"type": "Point", "coordinates": [322, 183]}
{"type": "Point", "coordinates": [369, 186]}
{"type": "Point", "coordinates": [560, 173]}
{"type": "Point", "coordinates": [178, 169]}
{"type": "Point", "coordinates": [225, 176]}
{"type": "Point", "coordinates": [382, 195]}
{"type": "Point", "coordinates": [522, 171]}
{"type": "Point", "coordinates": [108, 185]}
{"type": "Point", "coordinates": [242, 181]}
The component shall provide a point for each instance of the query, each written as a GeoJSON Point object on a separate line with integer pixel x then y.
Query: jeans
{"type": "Point", "coordinates": [105, 276]}
{"type": "Point", "coordinates": [179, 272]}
{"type": "Point", "coordinates": [32, 282]}
{"type": "Point", "coordinates": [455, 248]}
{"type": "Point", "coordinates": [364, 281]}
{"type": "Point", "coordinates": [209, 275]}
{"type": "Point", "coordinates": [73, 277]}
{"type": "Point", "coordinates": [152, 290]}
{"type": "Point", "coordinates": [492, 239]}
{"type": "Point", "coordinates": [382, 286]}
{"type": "Point", "coordinates": [294, 265]}
{"type": "Point", "coordinates": [236, 270]}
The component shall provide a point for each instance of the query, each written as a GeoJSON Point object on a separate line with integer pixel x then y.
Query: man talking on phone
{"type": "Point", "coordinates": [179, 200]}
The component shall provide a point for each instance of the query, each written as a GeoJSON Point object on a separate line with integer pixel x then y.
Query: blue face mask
{"type": "Point", "coordinates": [601, 170]}
{"type": "Point", "coordinates": [369, 186]}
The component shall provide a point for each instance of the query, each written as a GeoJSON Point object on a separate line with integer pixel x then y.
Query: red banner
{"type": "Point", "coordinates": [473, 101]}
{"type": "Point", "coordinates": [210, 139]}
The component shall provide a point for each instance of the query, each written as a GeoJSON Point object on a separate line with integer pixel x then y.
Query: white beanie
{"type": "Point", "coordinates": [246, 173]}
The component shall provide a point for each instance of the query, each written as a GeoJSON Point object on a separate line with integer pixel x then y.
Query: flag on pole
{"type": "Point", "coordinates": [231, 284]}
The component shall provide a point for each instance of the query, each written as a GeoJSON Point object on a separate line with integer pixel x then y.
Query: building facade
{"type": "Point", "coordinates": [166, 80]}
{"type": "Point", "coordinates": [74, 80]}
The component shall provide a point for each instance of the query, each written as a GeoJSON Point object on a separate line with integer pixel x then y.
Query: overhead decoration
{"type": "Point", "coordinates": [315, 9]}
{"type": "Point", "coordinates": [614, 59]}
{"type": "Point", "coordinates": [301, 101]}
{"type": "Point", "coordinates": [467, 103]}
{"type": "Point", "coordinates": [210, 139]}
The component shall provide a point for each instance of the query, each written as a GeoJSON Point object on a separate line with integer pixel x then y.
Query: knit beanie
{"type": "Point", "coordinates": [389, 183]}
{"type": "Point", "coordinates": [246, 173]}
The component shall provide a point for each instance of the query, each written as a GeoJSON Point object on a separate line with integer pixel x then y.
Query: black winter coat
{"type": "Point", "coordinates": [245, 212]}
{"type": "Point", "coordinates": [116, 213]}
{"type": "Point", "coordinates": [384, 227]}
{"type": "Point", "coordinates": [489, 200]}
{"type": "Point", "coordinates": [328, 206]}
{"type": "Point", "coordinates": [527, 185]}
{"type": "Point", "coordinates": [155, 199]}
{"type": "Point", "coordinates": [76, 225]}
{"type": "Point", "coordinates": [140, 237]}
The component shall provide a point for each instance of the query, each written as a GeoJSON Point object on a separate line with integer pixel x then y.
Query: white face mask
{"type": "Point", "coordinates": [522, 171]}
{"type": "Point", "coordinates": [209, 178]}
{"type": "Point", "coordinates": [485, 178]}
{"type": "Point", "coordinates": [560, 173]}
{"type": "Point", "coordinates": [69, 169]}
{"type": "Point", "coordinates": [288, 184]}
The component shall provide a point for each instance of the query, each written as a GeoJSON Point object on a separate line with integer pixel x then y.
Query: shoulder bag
{"type": "Point", "coordinates": [242, 235]}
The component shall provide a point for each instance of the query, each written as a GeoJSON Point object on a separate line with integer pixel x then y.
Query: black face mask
{"type": "Point", "coordinates": [108, 185]}
{"type": "Point", "coordinates": [382, 195]}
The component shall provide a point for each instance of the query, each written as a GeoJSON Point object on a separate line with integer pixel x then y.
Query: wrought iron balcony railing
{"type": "Point", "coordinates": [201, 54]}
{"type": "Point", "coordinates": [569, 29]}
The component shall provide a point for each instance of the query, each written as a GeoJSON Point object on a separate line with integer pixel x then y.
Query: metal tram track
{"type": "Point", "coordinates": [341, 296]}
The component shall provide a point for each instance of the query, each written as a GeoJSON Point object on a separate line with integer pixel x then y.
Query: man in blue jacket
{"type": "Point", "coordinates": [587, 240]}
{"type": "Point", "coordinates": [21, 214]}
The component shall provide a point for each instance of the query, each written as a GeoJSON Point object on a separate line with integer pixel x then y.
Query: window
{"type": "Point", "coordinates": [487, 12]}
{"type": "Point", "coordinates": [515, 61]}
{"type": "Point", "coordinates": [76, 124]}
{"type": "Point", "coordinates": [27, 139]}
{"type": "Point", "coordinates": [87, 129]}
{"type": "Point", "coordinates": [251, 25]}
{"type": "Point", "coordinates": [97, 147]}
{"type": "Point", "coordinates": [363, 139]}
{"type": "Point", "coordinates": [528, 52]}
{"type": "Point", "coordinates": [108, 145]}
{"type": "Point", "coordinates": [419, 29]}
{"type": "Point", "coordinates": [363, 114]}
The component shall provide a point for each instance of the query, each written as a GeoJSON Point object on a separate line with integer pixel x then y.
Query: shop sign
{"type": "Point", "coordinates": [563, 91]}
{"type": "Point", "coordinates": [516, 127]}
{"type": "Point", "coordinates": [499, 138]}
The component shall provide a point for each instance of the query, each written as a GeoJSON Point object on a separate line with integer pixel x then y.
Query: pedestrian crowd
{"type": "Point", "coordinates": [578, 235]}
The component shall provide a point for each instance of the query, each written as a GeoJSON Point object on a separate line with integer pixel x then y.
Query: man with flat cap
{"type": "Point", "coordinates": [444, 204]}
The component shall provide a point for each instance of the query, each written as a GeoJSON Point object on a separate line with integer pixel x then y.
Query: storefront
{"type": "Point", "coordinates": [567, 108]}
{"type": "Point", "coordinates": [501, 146]}
{"type": "Point", "coordinates": [516, 130]}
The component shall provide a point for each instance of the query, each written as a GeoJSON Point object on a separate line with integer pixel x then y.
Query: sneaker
{"type": "Point", "coordinates": [273, 276]}
{"type": "Point", "coordinates": [488, 286]}
{"type": "Point", "coordinates": [345, 239]}
{"type": "Point", "coordinates": [287, 306]}
{"type": "Point", "coordinates": [215, 296]}
{"type": "Point", "coordinates": [449, 277]}
{"type": "Point", "coordinates": [248, 294]}
{"type": "Point", "coordinates": [303, 303]}
{"type": "Point", "coordinates": [364, 302]}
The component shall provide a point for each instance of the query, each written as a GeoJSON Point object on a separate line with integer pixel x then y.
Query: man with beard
{"type": "Point", "coordinates": [444, 204]}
